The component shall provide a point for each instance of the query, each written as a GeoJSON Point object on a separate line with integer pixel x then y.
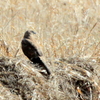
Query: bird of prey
{"type": "Point", "coordinates": [31, 49]}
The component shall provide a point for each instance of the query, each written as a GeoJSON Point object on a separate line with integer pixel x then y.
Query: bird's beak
{"type": "Point", "coordinates": [33, 32]}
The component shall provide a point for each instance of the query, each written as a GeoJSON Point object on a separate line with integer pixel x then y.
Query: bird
{"type": "Point", "coordinates": [31, 49]}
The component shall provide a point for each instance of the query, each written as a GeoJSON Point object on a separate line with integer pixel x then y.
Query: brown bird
{"type": "Point", "coordinates": [31, 49]}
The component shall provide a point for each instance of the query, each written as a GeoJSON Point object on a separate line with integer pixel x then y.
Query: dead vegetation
{"type": "Point", "coordinates": [69, 35]}
{"type": "Point", "coordinates": [72, 79]}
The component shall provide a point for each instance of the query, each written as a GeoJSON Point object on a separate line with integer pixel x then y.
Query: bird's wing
{"type": "Point", "coordinates": [32, 46]}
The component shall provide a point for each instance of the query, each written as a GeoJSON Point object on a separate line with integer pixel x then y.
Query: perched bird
{"type": "Point", "coordinates": [31, 49]}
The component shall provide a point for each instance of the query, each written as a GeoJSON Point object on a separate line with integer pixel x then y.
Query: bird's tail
{"type": "Point", "coordinates": [41, 64]}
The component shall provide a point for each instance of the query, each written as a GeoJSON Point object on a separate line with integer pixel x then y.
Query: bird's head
{"type": "Point", "coordinates": [28, 34]}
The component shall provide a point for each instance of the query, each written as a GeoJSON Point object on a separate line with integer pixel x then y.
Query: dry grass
{"type": "Point", "coordinates": [66, 29]}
